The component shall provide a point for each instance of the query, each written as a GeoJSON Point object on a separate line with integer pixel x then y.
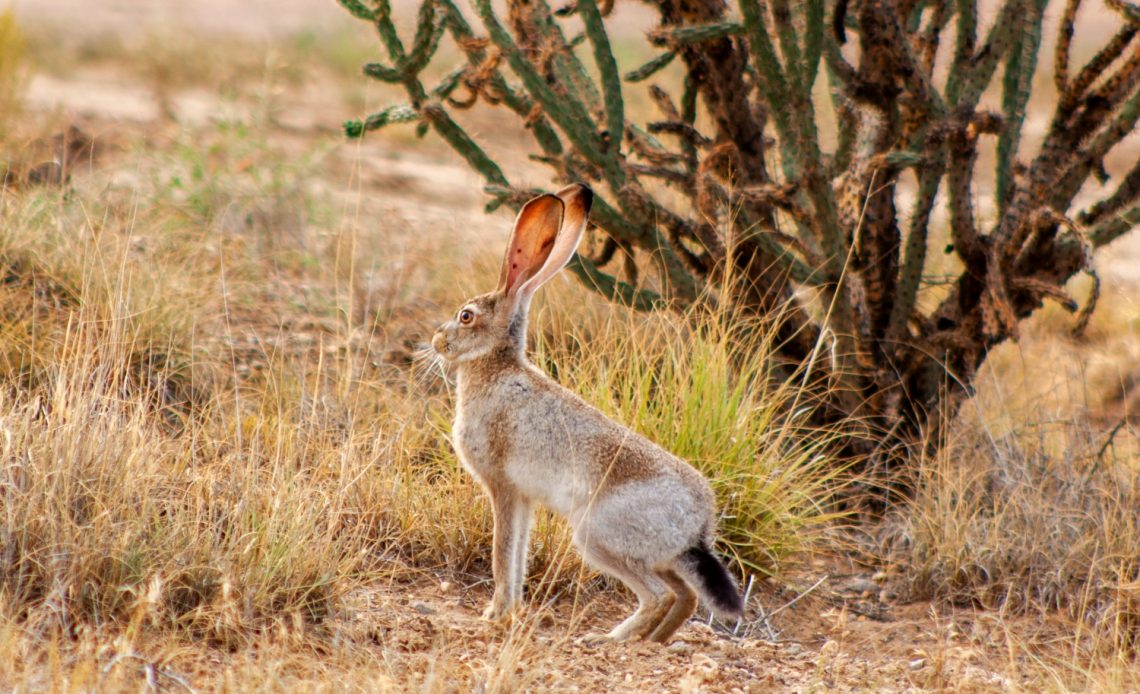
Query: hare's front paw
{"type": "Point", "coordinates": [596, 639]}
{"type": "Point", "coordinates": [499, 610]}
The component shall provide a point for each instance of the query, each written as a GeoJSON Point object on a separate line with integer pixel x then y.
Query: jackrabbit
{"type": "Point", "coordinates": [637, 512]}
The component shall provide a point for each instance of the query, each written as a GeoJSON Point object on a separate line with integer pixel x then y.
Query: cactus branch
{"type": "Point", "coordinates": [358, 9]}
{"type": "Point", "coordinates": [910, 275]}
{"type": "Point", "coordinates": [1115, 226]}
{"type": "Point", "coordinates": [771, 75]}
{"type": "Point", "coordinates": [1126, 193]}
{"type": "Point", "coordinates": [966, 37]}
{"type": "Point", "coordinates": [1064, 45]}
{"type": "Point", "coordinates": [998, 43]}
{"type": "Point", "coordinates": [651, 68]}
{"type": "Point", "coordinates": [1130, 12]}
{"type": "Point", "coordinates": [607, 67]}
{"type": "Point", "coordinates": [1016, 86]}
{"type": "Point", "coordinates": [813, 41]}
{"type": "Point", "coordinates": [608, 286]}
{"type": "Point", "coordinates": [462, 143]}
{"type": "Point", "coordinates": [570, 115]}
{"type": "Point", "coordinates": [695, 33]}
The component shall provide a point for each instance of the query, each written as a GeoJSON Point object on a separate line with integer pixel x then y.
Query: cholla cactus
{"type": "Point", "coordinates": [765, 204]}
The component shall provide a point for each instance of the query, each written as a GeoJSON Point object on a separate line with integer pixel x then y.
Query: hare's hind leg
{"type": "Point", "coordinates": [653, 599]}
{"type": "Point", "coordinates": [683, 606]}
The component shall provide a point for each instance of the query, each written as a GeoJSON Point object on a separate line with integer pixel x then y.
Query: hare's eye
{"type": "Point", "coordinates": [466, 316]}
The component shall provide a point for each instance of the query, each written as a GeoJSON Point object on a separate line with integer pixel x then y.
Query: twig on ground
{"type": "Point", "coordinates": [796, 599]}
{"type": "Point", "coordinates": [151, 671]}
{"type": "Point", "coordinates": [747, 594]}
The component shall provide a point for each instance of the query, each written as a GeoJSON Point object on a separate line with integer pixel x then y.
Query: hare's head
{"type": "Point", "coordinates": [546, 233]}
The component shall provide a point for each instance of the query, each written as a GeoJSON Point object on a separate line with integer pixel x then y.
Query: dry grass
{"type": "Point", "coordinates": [1034, 509]}
{"type": "Point", "coordinates": [1010, 524]}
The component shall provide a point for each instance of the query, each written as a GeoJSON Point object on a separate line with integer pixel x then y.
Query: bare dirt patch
{"type": "Point", "coordinates": [428, 635]}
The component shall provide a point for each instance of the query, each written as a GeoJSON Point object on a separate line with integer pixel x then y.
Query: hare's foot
{"type": "Point", "coordinates": [596, 639]}
{"type": "Point", "coordinates": [639, 626]}
{"type": "Point", "coordinates": [499, 610]}
{"type": "Point", "coordinates": [642, 622]}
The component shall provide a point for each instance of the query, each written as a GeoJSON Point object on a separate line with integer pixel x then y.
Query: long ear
{"type": "Point", "coordinates": [577, 199]}
{"type": "Point", "coordinates": [536, 229]}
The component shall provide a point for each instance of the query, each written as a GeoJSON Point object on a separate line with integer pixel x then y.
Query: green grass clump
{"type": "Point", "coordinates": [707, 393]}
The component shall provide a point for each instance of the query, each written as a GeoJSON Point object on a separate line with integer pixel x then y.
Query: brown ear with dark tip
{"type": "Point", "coordinates": [532, 240]}
{"type": "Point", "coordinates": [578, 198]}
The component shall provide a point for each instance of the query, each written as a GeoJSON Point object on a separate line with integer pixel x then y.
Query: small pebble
{"type": "Point", "coordinates": [704, 664]}
{"type": "Point", "coordinates": [861, 586]}
{"type": "Point", "coordinates": [422, 608]}
{"type": "Point", "coordinates": [917, 664]}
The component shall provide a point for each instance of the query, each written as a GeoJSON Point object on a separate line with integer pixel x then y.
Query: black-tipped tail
{"type": "Point", "coordinates": [714, 583]}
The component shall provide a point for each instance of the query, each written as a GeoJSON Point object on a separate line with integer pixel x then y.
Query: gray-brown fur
{"type": "Point", "coordinates": [636, 510]}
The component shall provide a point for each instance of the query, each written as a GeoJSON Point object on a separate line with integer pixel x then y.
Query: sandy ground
{"type": "Point", "coordinates": [256, 19]}
{"type": "Point", "coordinates": [821, 646]}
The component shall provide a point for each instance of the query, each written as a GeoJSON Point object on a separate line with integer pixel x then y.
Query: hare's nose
{"type": "Point", "coordinates": [439, 341]}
